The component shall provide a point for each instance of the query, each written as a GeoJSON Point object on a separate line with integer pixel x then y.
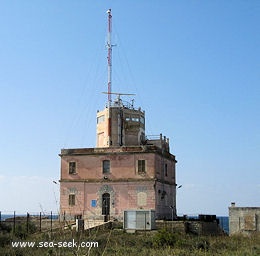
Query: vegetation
{"type": "Point", "coordinates": [118, 242]}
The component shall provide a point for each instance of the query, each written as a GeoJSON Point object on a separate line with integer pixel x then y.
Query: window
{"type": "Point", "coordinates": [135, 119]}
{"type": "Point", "coordinates": [72, 167]}
{"type": "Point", "coordinates": [72, 200]}
{"type": "Point", "coordinates": [100, 119]}
{"type": "Point", "coordinates": [141, 166]}
{"type": "Point", "coordinates": [106, 166]}
{"type": "Point", "coordinates": [165, 170]}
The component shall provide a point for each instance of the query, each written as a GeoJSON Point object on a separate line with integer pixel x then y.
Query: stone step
{"type": "Point", "coordinates": [92, 223]}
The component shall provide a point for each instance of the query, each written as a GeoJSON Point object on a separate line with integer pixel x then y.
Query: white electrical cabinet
{"type": "Point", "coordinates": [139, 219]}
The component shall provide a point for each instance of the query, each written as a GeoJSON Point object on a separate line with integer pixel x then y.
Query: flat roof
{"type": "Point", "coordinates": [116, 150]}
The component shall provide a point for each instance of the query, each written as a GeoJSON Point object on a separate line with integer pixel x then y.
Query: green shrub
{"type": "Point", "coordinates": [5, 228]}
{"type": "Point", "coordinates": [5, 240]}
{"type": "Point", "coordinates": [202, 245]}
{"type": "Point", "coordinates": [22, 230]}
{"type": "Point", "coordinates": [164, 238]}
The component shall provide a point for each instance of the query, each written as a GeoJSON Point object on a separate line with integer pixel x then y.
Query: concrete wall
{"type": "Point", "coordinates": [244, 219]}
{"type": "Point", "coordinates": [103, 128]}
{"type": "Point", "coordinates": [191, 227]}
{"type": "Point", "coordinates": [117, 126]}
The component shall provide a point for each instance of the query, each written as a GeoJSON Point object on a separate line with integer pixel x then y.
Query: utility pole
{"type": "Point", "coordinates": [109, 57]}
{"type": "Point", "coordinates": [109, 72]}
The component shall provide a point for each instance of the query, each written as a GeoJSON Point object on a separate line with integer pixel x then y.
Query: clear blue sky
{"type": "Point", "coordinates": [194, 65]}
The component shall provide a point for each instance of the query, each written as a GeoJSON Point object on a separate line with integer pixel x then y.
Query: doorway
{"type": "Point", "coordinates": [106, 205]}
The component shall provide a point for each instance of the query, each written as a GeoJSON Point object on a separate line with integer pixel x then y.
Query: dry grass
{"type": "Point", "coordinates": [118, 242]}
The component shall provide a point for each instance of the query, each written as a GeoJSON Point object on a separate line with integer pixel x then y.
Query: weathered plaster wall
{"type": "Point", "coordinates": [244, 219]}
{"type": "Point", "coordinates": [123, 195]}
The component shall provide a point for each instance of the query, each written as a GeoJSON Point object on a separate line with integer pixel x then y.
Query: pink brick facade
{"type": "Point", "coordinates": [123, 195]}
{"type": "Point", "coordinates": [82, 191]}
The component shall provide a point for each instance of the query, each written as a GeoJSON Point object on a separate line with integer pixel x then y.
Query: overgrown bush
{"type": "Point", "coordinates": [5, 228]}
{"type": "Point", "coordinates": [22, 230]}
{"type": "Point", "coordinates": [164, 238]}
{"type": "Point", "coordinates": [5, 240]}
{"type": "Point", "coordinates": [202, 245]}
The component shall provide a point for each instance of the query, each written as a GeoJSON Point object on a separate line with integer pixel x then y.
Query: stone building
{"type": "Point", "coordinates": [126, 170]}
{"type": "Point", "coordinates": [244, 220]}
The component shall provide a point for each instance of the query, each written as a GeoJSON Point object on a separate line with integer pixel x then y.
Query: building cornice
{"type": "Point", "coordinates": [101, 181]}
{"type": "Point", "coordinates": [117, 150]}
{"type": "Point", "coordinates": [105, 180]}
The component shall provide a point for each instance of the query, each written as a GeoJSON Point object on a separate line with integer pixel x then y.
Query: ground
{"type": "Point", "coordinates": [116, 241]}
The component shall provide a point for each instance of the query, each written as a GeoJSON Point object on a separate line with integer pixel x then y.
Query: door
{"type": "Point", "coordinates": [142, 220]}
{"type": "Point", "coordinates": [106, 204]}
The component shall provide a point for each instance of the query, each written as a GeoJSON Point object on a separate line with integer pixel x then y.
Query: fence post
{"type": "Point", "coordinates": [27, 222]}
{"type": "Point", "coordinates": [51, 222]}
{"type": "Point", "coordinates": [0, 216]}
{"type": "Point", "coordinates": [40, 221]}
{"type": "Point", "coordinates": [14, 223]}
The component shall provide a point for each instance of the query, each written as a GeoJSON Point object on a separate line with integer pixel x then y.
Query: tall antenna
{"type": "Point", "coordinates": [109, 57]}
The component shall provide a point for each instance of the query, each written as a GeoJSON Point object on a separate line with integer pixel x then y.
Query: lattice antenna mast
{"type": "Point", "coordinates": [109, 57]}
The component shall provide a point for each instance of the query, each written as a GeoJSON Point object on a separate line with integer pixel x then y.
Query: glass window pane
{"type": "Point", "coordinates": [72, 167]}
{"type": "Point", "coordinates": [106, 166]}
